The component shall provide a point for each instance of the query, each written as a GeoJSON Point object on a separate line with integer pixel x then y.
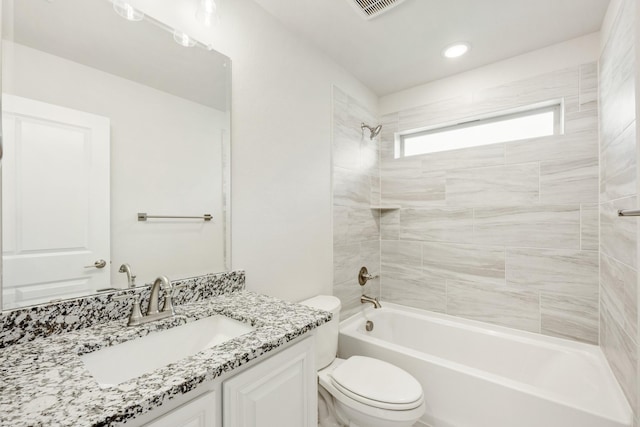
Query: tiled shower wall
{"type": "Point", "coordinates": [505, 233]}
{"type": "Point", "coordinates": [356, 188]}
{"type": "Point", "coordinates": [618, 190]}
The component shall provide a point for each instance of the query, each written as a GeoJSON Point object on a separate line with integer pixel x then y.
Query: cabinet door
{"type": "Point", "coordinates": [200, 412]}
{"type": "Point", "coordinates": [279, 392]}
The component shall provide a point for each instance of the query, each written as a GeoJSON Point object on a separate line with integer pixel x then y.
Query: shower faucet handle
{"type": "Point", "coordinates": [364, 276]}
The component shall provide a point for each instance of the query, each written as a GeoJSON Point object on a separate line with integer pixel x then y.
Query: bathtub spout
{"type": "Point", "coordinates": [365, 299]}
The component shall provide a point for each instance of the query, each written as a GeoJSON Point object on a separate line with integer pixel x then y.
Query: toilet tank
{"type": "Point", "coordinates": [327, 334]}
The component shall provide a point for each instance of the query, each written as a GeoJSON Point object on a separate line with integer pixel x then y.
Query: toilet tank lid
{"type": "Point", "coordinates": [322, 302]}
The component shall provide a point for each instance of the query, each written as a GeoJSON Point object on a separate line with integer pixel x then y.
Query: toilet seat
{"type": "Point", "coordinates": [366, 412]}
{"type": "Point", "coordinates": [377, 383]}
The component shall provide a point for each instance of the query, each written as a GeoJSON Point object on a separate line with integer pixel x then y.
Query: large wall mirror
{"type": "Point", "coordinates": [104, 118]}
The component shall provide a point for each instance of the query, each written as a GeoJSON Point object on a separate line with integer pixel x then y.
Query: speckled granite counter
{"type": "Point", "coordinates": [44, 383]}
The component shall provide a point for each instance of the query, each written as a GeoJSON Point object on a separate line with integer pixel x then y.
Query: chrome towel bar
{"type": "Point", "coordinates": [142, 216]}
{"type": "Point", "coordinates": [629, 212]}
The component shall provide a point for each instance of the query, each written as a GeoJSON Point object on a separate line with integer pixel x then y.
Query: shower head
{"type": "Point", "coordinates": [374, 130]}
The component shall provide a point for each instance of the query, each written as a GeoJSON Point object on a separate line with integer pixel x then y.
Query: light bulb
{"type": "Point", "coordinates": [456, 50]}
{"type": "Point", "coordinates": [183, 39]}
{"type": "Point", "coordinates": [207, 12]}
{"type": "Point", "coordinates": [127, 11]}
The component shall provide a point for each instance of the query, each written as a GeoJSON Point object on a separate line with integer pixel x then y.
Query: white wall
{"type": "Point", "coordinates": [281, 145]}
{"type": "Point", "coordinates": [574, 52]}
{"type": "Point", "coordinates": [154, 136]}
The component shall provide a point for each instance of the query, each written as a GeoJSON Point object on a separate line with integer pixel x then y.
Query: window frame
{"type": "Point", "coordinates": [555, 106]}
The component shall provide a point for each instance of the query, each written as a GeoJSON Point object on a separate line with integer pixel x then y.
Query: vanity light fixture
{"type": "Point", "coordinates": [127, 11]}
{"type": "Point", "coordinates": [183, 39]}
{"type": "Point", "coordinates": [207, 12]}
{"type": "Point", "coordinates": [456, 50]}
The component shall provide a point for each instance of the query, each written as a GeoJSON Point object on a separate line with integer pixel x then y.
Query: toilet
{"type": "Point", "coordinates": [360, 391]}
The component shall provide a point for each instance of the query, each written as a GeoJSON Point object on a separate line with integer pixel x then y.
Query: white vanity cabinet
{"type": "Point", "coordinates": [203, 411]}
{"type": "Point", "coordinates": [279, 391]}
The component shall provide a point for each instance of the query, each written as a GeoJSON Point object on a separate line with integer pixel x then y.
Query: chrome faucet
{"type": "Point", "coordinates": [131, 279]}
{"type": "Point", "coordinates": [153, 313]}
{"type": "Point", "coordinates": [154, 298]}
{"type": "Point", "coordinates": [376, 304]}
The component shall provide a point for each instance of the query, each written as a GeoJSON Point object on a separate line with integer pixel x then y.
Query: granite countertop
{"type": "Point", "coordinates": [44, 382]}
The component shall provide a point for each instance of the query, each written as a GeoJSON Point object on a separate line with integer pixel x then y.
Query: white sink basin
{"type": "Point", "coordinates": [116, 364]}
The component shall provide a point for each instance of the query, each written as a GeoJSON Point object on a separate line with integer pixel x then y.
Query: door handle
{"type": "Point", "coordinates": [98, 264]}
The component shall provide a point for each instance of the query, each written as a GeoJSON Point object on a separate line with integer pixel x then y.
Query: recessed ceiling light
{"type": "Point", "coordinates": [456, 50]}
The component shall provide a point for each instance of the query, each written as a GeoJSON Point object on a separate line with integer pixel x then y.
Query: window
{"type": "Point", "coordinates": [534, 122]}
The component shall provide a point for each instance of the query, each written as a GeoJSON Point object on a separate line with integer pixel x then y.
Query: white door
{"type": "Point", "coordinates": [279, 392]}
{"type": "Point", "coordinates": [55, 202]}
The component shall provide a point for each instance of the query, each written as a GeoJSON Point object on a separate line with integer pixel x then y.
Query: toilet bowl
{"type": "Point", "coordinates": [360, 391]}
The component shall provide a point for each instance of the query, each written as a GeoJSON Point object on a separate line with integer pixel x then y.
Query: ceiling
{"type": "Point", "coordinates": [402, 48]}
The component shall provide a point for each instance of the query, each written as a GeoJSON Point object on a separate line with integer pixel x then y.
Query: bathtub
{"type": "Point", "coordinates": [479, 375]}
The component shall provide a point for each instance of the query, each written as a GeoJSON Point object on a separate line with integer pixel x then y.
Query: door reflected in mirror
{"type": "Point", "coordinates": [102, 119]}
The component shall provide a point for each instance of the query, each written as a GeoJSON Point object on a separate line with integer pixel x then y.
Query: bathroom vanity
{"type": "Point", "coordinates": [264, 377]}
{"type": "Point", "coordinates": [276, 390]}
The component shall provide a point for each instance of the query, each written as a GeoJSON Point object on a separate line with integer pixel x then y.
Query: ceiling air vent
{"type": "Point", "coordinates": [369, 9]}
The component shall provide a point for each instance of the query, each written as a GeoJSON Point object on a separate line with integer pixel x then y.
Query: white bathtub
{"type": "Point", "coordinates": [479, 375]}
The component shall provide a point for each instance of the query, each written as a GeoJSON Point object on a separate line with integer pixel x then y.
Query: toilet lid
{"type": "Point", "coordinates": [378, 381]}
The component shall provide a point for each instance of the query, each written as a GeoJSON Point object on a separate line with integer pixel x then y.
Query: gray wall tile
{"type": "Point", "coordinates": [401, 252]}
{"type": "Point", "coordinates": [464, 262]}
{"type": "Point", "coordinates": [474, 157]}
{"type": "Point", "coordinates": [496, 185]}
{"type": "Point", "coordinates": [410, 286]}
{"type": "Point", "coordinates": [390, 224]}
{"type": "Point", "coordinates": [498, 305]}
{"type": "Point", "coordinates": [405, 183]}
{"type": "Point", "coordinates": [622, 354]}
{"type": "Point", "coordinates": [550, 86]}
{"type": "Point", "coordinates": [542, 226]}
{"type": "Point", "coordinates": [356, 227]}
{"type": "Point", "coordinates": [581, 122]}
{"type": "Point", "coordinates": [618, 190]}
{"type": "Point", "coordinates": [560, 271]}
{"type": "Point", "coordinates": [387, 136]}
{"type": "Point", "coordinates": [619, 236]}
{"type": "Point", "coordinates": [550, 148]}
{"type": "Point", "coordinates": [541, 194]}
{"type": "Point", "coordinates": [347, 261]}
{"type": "Point", "coordinates": [349, 294]}
{"type": "Point", "coordinates": [351, 188]}
{"type": "Point", "coordinates": [617, 80]}
{"type": "Point", "coordinates": [340, 225]}
{"type": "Point", "coordinates": [570, 317]}
{"type": "Point", "coordinates": [590, 227]}
{"type": "Point", "coordinates": [435, 113]}
{"type": "Point", "coordinates": [573, 180]}
{"type": "Point", "coordinates": [589, 86]}
{"type": "Point", "coordinates": [437, 224]}
{"type": "Point", "coordinates": [619, 293]}
{"type": "Point", "coordinates": [346, 146]}
{"type": "Point", "coordinates": [364, 224]}
{"type": "Point", "coordinates": [619, 166]}
{"type": "Point", "coordinates": [619, 186]}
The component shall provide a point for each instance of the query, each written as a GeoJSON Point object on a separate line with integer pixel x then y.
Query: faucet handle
{"type": "Point", "coordinates": [168, 298]}
{"type": "Point", "coordinates": [364, 276]}
{"type": "Point", "coordinates": [135, 317]}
